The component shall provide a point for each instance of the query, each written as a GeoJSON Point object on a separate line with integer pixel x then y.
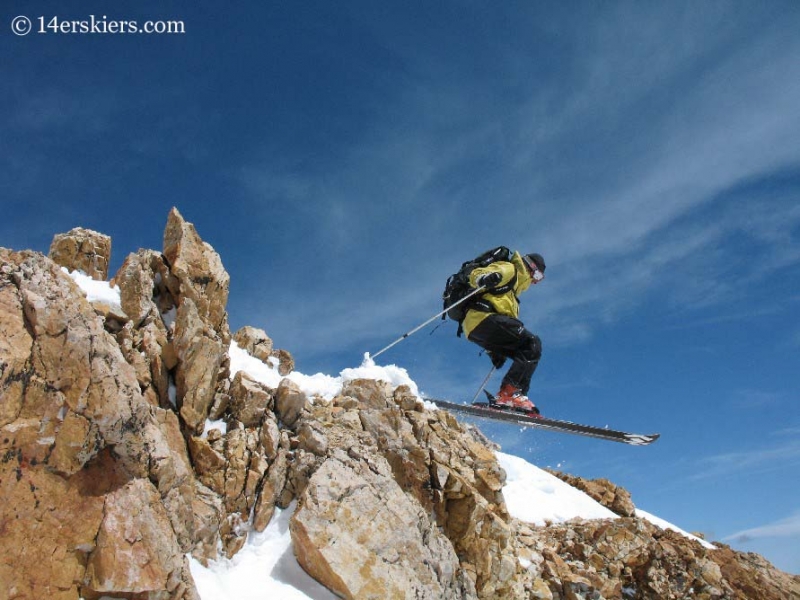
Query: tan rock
{"type": "Point", "coordinates": [49, 522]}
{"type": "Point", "coordinates": [357, 533]}
{"type": "Point", "coordinates": [137, 279]}
{"type": "Point", "coordinates": [82, 250]}
{"type": "Point", "coordinates": [201, 356]}
{"type": "Point", "coordinates": [613, 497]}
{"type": "Point", "coordinates": [369, 392]}
{"type": "Point", "coordinates": [199, 272]}
{"type": "Point", "coordinates": [249, 400]}
{"type": "Point", "coordinates": [255, 341]}
{"type": "Point", "coordinates": [15, 351]}
{"type": "Point", "coordinates": [285, 361]}
{"type": "Point", "coordinates": [136, 551]}
{"type": "Point", "coordinates": [289, 402]}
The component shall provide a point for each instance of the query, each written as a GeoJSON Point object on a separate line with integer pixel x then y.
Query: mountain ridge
{"type": "Point", "coordinates": [129, 443]}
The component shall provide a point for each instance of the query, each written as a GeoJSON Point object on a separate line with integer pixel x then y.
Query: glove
{"type": "Point", "coordinates": [497, 360]}
{"type": "Point", "coordinates": [489, 280]}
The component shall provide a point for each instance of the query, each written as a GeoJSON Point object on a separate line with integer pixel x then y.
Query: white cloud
{"type": "Point", "coordinates": [772, 458]}
{"type": "Point", "coordinates": [788, 527]}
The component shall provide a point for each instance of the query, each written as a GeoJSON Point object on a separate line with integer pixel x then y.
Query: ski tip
{"type": "Point", "coordinates": [489, 395]}
{"type": "Point", "coordinates": [635, 439]}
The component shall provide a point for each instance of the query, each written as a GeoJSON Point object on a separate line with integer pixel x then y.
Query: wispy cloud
{"type": "Point", "coordinates": [780, 456]}
{"type": "Point", "coordinates": [613, 191]}
{"type": "Point", "coordinates": [788, 527]}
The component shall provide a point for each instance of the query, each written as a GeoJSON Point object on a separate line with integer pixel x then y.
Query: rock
{"type": "Point", "coordinates": [369, 392]}
{"type": "Point", "coordinates": [613, 497]}
{"type": "Point", "coordinates": [82, 250]}
{"type": "Point", "coordinates": [289, 402]}
{"type": "Point", "coordinates": [249, 400]}
{"type": "Point", "coordinates": [199, 272]}
{"type": "Point", "coordinates": [200, 354]}
{"type": "Point", "coordinates": [78, 428]}
{"type": "Point", "coordinates": [285, 361]}
{"type": "Point", "coordinates": [136, 551]}
{"type": "Point", "coordinates": [255, 341]}
{"type": "Point", "coordinates": [357, 533]}
{"type": "Point", "coordinates": [142, 281]}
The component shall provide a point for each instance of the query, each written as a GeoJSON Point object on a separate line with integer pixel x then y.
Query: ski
{"type": "Point", "coordinates": [492, 411]}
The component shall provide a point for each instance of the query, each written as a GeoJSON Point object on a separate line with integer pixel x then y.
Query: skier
{"type": "Point", "coordinates": [492, 322]}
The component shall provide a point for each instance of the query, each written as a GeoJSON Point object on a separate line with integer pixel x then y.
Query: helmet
{"type": "Point", "coordinates": [535, 261]}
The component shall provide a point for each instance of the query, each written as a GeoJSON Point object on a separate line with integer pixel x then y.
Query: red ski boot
{"type": "Point", "coordinates": [513, 398]}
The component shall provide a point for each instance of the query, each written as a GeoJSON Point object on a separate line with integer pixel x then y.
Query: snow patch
{"type": "Point", "coordinates": [96, 291]}
{"type": "Point", "coordinates": [318, 385]}
{"type": "Point", "coordinates": [264, 569]}
{"type": "Point", "coordinates": [535, 496]}
{"type": "Point", "coordinates": [659, 522]}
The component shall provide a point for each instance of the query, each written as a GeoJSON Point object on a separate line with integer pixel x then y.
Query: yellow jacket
{"type": "Point", "coordinates": [504, 304]}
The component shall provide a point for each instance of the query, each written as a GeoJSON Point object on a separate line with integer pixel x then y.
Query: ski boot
{"type": "Point", "coordinates": [512, 398]}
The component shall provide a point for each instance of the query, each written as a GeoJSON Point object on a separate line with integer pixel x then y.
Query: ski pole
{"type": "Point", "coordinates": [433, 318]}
{"type": "Point", "coordinates": [483, 385]}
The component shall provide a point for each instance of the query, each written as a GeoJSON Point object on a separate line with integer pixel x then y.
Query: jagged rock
{"type": "Point", "coordinates": [270, 436]}
{"type": "Point", "coordinates": [310, 437]}
{"type": "Point", "coordinates": [255, 341]}
{"type": "Point", "coordinates": [248, 400]}
{"type": "Point", "coordinates": [201, 356]}
{"type": "Point", "coordinates": [82, 250]}
{"type": "Point", "coordinates": [208, 511]}
{"type": "Point", "coordinates": [615, 498]}
{"type": "Point", "coordinates": [199, 272]}
{"type": "Point", "coordinates": [209, 464]}
{"type": "Point", "coordinates": [369, 392]}
{"type": "Point", "coordinates": [77, 426]}
{"type": "Point", "coordinates": [285, 361]}
{"type": "Point", "coordinates": [136, 551]}
{"type": "Point", "coordinates": [272, 490]}
{"type": "Point", "coordinates": [629, 557]}
{"type": "Point", "coordinates": [143, 283]}
{"type": "Point", "coordinates": [357, 533]}
{"type": "Point", "coordinates": [289, 402]}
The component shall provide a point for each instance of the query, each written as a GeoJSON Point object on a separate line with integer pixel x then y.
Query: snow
{"type": "Point", "coordinates": [536, 496]}
{"type": "Point", "coordinates": [96, 291]}
{"type": "Point", "coordinates": [266, 568]}
{"type": "Point", "coordinates": [658, 522]}
{"type": "Point", "coordinates": [318, 385]}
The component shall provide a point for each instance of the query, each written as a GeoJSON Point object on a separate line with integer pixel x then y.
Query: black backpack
{"type": "Point", "coordinates": [457, 286]}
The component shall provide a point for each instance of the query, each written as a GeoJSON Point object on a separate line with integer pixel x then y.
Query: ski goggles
{"type": "Point", "coordinates": [536, 274]}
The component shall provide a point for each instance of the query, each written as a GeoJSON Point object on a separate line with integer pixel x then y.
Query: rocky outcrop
{"type": "Point", "coordinates": [82, 250]}
{"type": "Point", "coordinates": [631, 558]}
{"type": "Point", "coordinates": [613, 497]}
{"type": "Point", "coordinates": [127, 443]}
{"type": "Point", "coordinates": [75, 430]}
{"type": "Point", "coordinates": [199, 272]}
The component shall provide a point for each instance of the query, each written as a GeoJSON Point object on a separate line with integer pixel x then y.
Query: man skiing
{"type": "Point", "coordinates": [492, 323]}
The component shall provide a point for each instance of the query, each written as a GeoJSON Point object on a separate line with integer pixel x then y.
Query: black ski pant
{"type": "Point", "coordinates": [506, 337]}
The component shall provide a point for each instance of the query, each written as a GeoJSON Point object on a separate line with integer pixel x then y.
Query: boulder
{"type": "Point", "coordinates": [200, 357]}
{"type": "Point", "coordinates": [255, 342]}
{"type": "Point", "coordinates": [289, 402]}
{"type": "Point", "coordinates": [357, 533]}
{"type": "Point", "coordinates": [249, 400]}
{"type": "Point", "coordinates": [136, 551]}
{"type": "Point", "coordinates": [199, 273]}
{"type": "Point", "coordinates": [82, 250]}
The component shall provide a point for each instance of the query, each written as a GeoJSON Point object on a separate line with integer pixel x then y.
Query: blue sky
{"type": "Point", "coordinates": [345, 158]}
